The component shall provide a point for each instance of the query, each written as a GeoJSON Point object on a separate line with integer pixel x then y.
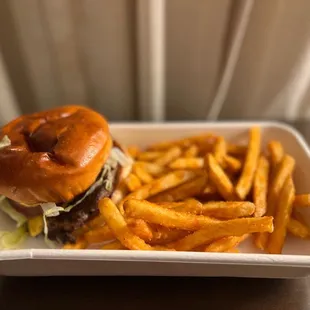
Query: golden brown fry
{"type": "Point", "coordinates": [170, 205]}
{"type": "Point", "coordinates": [282, 217]}
{"type": "Point", "coordinates": [302, 201]}
{"type": "Point", "coordinates": [217, 230]}
{"type": "Point", "coordinates": [152, 168]}
{"type": "Point", "coordinates": [219, 150]}
{"type": "Point", "coordinates": [192, 151]}
{"type": "Point", "coordinates": [186, 190]}
{"type": "Point", "coordinates": [260, 186]}
{"type": "Point", "coordinates": [228, 209]}
{"type": "Point", "coordinates": [220, 179]}
{"type": "Point", "coordinates": [167, 181]}
{"type": "Point", "coordinates": [169, 156]}
{"type": "Point", "coordinates": [163, 235]}
{"type": "Point", "coordinates": [133, 151]}
{"type": "Point", "coordinates": [225, 244]}
{"type": "Point", "coordinates": [210, 189]}
{"type": "Point", "coordinates": [276, 151]}
{"type": "Point", "coordinates": [143, 175]}
{"type": "Point", "coordinates": [236, 150]}
{"type": "Point", "coordinates": [80, 244]}
{"type": "Point", "coordinates": [155, 214]}
{"type": "Point", "coordinates": [119, 227]}
{"type": "Point", "coordinates": [298, 229]}
{"type": "Point", "coordinates": [140, 228]}
{"type": "Point", "coordinates": [246, 179]}
{"type": "Point", "coordinates": [132, 182]}
{"type": "Point", "coordinates": [232, 164]}
{"type": "Point", "coordinates": [35, 225]}
{"type": "Point", "coordinates": [187, 163]}
{"type": "Point", "coordinates": [149, 156]}
{"type": "Point", "coordinates": [114, 245]}
{"type": "Point", "coordinates": [192, 206]}
{"type": "Point", "coordinates": [98, 235]}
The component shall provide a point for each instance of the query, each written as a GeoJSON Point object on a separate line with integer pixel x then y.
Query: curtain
{"type": "Point", "coordinates": [190, 59]}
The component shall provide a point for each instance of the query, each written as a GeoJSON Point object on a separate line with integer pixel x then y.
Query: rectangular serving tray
{"type": "Point", "coordinates": [35, 259]}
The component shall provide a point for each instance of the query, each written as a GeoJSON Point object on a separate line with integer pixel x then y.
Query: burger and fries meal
{"type": "Point", "coordinates": [63, 176]}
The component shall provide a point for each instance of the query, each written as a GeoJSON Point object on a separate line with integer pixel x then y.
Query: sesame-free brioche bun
{"type": "Point", "coordinates": [54, 155]}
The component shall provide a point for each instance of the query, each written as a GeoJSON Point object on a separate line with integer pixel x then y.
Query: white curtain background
{"type": "Point", "coordinates": [157, 59]}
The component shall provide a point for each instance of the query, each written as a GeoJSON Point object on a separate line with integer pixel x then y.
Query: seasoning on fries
{"type": "Point", "coordinates": [203, 194]}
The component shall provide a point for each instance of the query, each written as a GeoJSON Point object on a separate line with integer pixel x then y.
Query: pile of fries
{"type": "Point", "coordinates": [201, 194]}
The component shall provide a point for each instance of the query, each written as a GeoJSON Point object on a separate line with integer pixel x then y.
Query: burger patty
{"type": "Point", "coordinates": [61, 227]}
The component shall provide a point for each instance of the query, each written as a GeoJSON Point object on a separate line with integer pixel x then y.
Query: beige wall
{"type": "Point", "coordinates": [85, 51]}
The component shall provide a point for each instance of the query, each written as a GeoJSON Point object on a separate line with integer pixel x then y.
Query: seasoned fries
{"type": "Point", "coordinates": [260, 186]}
{"type": "Point", "coordinates": [220, 179]}
{"type": "Point", "coordinates": [216, 230]}
{"type": "Point", "coordinates": [187, 163]}
{"type": "Point", "coordinates": [201, 193]}
{"type": "Point", "coordinates": [282, 217]}
{"type": "Point", "coordinates": [132, 182]}
{"type": "Point", "coordinates": [119, 226]}
{"type": "Point", "coordinates": [245, 182]}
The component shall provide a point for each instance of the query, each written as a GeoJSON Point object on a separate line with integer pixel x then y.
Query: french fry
{"type": "Point", "coordinates": [133, 151]}
{"type": "Point", "coordinates": [276, 152]}
{"type": "Point", "coordinates": [163, 235]}
{"type": "Point", "coordinates": [155, 214]}
{"type": "Point", "coordinates": [247, 175]}
{"type": "Point", "coordinates": [220, 179]}
{"type": "Point", "coordinates": [35, 225]}
{"type": "Point", "coordinates": [140, 228]}
{"type": "Point", "coordinates": [192, 206]}
{"type": "Point", "coordinates": [228, 209]}
{"type": "Point", "coordinates": [217, 230]}
{"type": "Point", "coordinates": [149, 156]}
{"type": "Point", "coordinates": [225, 244]}
{"type": "Point", "coordinates": [114, 245]}
{"type": "Point", "coordinates": [119, 227]}
{"type": "Point", "coordinates": [152, 168]}
{"type": "Point", "coordinates": [80, 244]}
{"type": "Point", "coordinates": [98, 235]}
{"type": "Point", "coordinates": [219, 150]}
{"type": "Point", "coordinates": [167, 181]}
{"type": "Point", "coordinates": [233, 250]}
{"type": "Point", "coordinates": [143, 175]}
{"type": "Point", "coordinates": [278, 176]}
{"type": "Point", "coordinates": [282, 217]}
{"type": "Point", "coordinates": [260, 186]}
{"type": "Point", "coordinates": [302, 201]}
{"type": "Point", "coordinates": [298, 229]}
{"type": "Point", "coordinates": [232, 164]}
{"type": "Point", "coordinates": [236, 150]}
{"type": "Point", "coordinates": [132, 182]}
{"type": "Point", "coordinates": [191, 151]}
{"type": "Point", "coordinates": [187, 163]}
{"type": "Point", "coordinates": [169, 156]}
{"type": "Point", "coordinates": [170, 205]}
{"type": "Point", "coordinates": [188, 189]}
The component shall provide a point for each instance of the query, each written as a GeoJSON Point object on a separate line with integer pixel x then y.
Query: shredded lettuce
{"type": "Point", "coordinates": [5, 206]}
{"type": "Point", "coordinates": [5, 142]}
{"type": "Point", "coordinates": [12, 239]}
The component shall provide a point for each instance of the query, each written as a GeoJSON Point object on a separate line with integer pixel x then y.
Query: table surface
{"type": "Point", "coordinates": [156, 292]}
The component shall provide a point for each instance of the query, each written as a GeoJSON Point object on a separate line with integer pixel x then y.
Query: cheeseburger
{"type": "Point", "coordinates": [55, 167]}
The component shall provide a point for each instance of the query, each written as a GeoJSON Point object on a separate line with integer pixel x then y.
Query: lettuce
{"type": "Point", "coordinates": [5, 206]}
{"type": "Point", "coordinates": [12, 239]}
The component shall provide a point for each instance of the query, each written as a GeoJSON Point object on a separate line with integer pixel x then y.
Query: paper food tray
{"type": "Point", "coordinates": [35, 259]}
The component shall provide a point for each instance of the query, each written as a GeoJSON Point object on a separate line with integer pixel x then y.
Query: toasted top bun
{"type": "Point", "coordinates": [54, 155]}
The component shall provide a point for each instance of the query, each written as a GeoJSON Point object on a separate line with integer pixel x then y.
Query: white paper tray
{"type": "Point", "coordinates": [36, 260]}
